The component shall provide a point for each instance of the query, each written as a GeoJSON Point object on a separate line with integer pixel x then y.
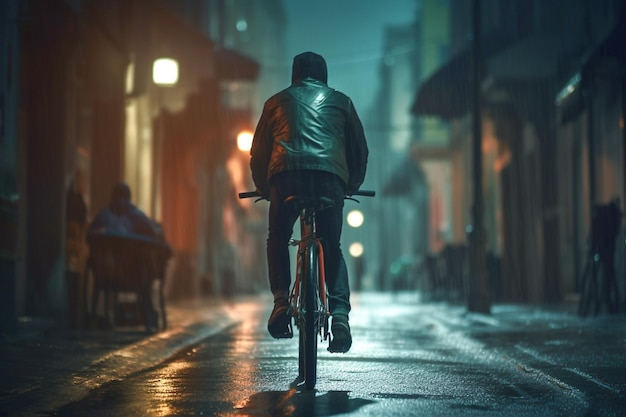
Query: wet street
{"type": "Point", "coordinates": [407, 359]}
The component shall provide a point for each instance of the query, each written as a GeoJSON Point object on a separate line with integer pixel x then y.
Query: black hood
{"type": "Point", "coordinates": [309, 64]}
{"type": "Point", "coordinates": [120, 198]}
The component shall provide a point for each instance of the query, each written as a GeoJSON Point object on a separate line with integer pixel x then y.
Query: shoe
{"type": "Point", "coordinates": [342, 339]}
{"type": "Point", "coordinates": [279, 324]}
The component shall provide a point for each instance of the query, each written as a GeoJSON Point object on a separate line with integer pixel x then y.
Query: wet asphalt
{"type": "Point", "coordinates": [409, 358]}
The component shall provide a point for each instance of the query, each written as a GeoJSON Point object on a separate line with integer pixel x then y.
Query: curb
{"type": "Point", "coordinates": [115, 365]}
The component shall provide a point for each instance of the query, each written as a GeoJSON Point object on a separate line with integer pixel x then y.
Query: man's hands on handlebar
{"type": "Point", "coordinates": [257, 193]}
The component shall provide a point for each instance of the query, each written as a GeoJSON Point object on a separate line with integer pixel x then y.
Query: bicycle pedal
{"type": "Point", "coordinates": [286, 335]}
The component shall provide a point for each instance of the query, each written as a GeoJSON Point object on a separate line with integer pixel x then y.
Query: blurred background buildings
{"type": "Point", "coordinates": [79, 109]}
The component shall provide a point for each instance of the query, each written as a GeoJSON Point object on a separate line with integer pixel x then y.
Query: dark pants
{"type": "Point", "coordinates": [329, 222]}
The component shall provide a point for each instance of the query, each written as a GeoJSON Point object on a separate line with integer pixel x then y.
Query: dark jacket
{"type": "Point", "coordinates": [309, 126]}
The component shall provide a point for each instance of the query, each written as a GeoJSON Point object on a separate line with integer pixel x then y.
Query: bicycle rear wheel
{"type": "Point", "coordinates": [308, 333]}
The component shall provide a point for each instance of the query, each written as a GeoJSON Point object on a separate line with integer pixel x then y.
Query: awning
{"type": "Point", "coordinates": [448, 92]}
{"type": "Point", "coordinates": [606, 58]}
{"type": "Point", "coordinates": [540, 57]}
{"type": "Point", "coordinates": [610, 53]}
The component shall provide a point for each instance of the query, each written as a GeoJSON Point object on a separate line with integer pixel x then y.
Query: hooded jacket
{"type": "Point", "coordinates": [309, 126]}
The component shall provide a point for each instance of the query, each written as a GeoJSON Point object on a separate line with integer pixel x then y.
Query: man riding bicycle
{"type": "Point", "coordinates": [309, 141]}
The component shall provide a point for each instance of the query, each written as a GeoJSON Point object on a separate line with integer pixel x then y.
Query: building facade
{"type": "Point", "coordinates": [82, 112]}
{"type": "Point", "coordinates": [542, 172]}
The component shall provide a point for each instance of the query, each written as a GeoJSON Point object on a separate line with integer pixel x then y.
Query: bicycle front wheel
{"type": "Point", "coordinates": [308, 334]}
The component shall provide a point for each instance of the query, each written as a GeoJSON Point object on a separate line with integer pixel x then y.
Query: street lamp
{"type": "Point", "coordinates": [355, 219]}
{"type": "Point", "coordinates": [165, 71]}
{"type": "Point", "coordinates": [356, 250]}
{"type": "Point", "coordinates": [244, 140]}
{"type": "Point", "coordinates": [164, 74]}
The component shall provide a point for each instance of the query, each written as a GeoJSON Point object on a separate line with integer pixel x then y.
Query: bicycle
{"type": "Point", "coordinates": [308, 302]}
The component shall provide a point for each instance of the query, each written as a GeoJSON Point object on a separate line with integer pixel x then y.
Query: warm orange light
{"type": "Point", "coordinates": [244, 140]}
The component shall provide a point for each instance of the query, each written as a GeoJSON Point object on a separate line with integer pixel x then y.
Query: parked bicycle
{"type": "Point", "coordinates": [308, 301]}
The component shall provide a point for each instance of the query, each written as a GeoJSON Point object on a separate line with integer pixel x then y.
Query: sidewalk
{"type": "Point", "coordinates": [44, 367]}
{"type": "Point", "coordinates": [554, 344]}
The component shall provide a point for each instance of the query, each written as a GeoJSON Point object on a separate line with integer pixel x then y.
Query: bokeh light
{"type": "Point", "coordinates": [165, 71]}
{"type": "Point", "coordinates": [356, 249]}
{"type": "Point", "coordinates": [355, 218]}
{"type": "Point", "coordinates": [244, 140]}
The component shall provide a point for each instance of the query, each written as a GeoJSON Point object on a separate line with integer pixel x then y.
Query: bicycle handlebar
{"type": "Point", "coordinates": [364, 193]}
{"type": "Point", "coordinates": [249, 194]}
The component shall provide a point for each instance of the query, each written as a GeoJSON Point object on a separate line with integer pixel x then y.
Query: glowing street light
{"type": "Point", "coordinates": [164, 74]}
{"type": "Point", "coordinates": [244, 140]}
{"type": "Point", "coordinates": [356, 249]}
{"type": "Point", "coordinates": [165, 71]}
{"type": "Point", "coordinates": [355, 218]}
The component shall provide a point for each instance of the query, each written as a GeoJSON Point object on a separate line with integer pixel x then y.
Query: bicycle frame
{"type": "Point", "coordinates": [309, 305]}
{"type": "Point", "coordinates": [308, 236]}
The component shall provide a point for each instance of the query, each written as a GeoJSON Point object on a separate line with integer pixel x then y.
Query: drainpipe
{"type": "Point", "coordinates": [623, 127]}
{"type": "Point", "coordinates": [479, 295]}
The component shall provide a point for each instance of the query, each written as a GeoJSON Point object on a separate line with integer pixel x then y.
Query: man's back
{"type": "Point", "coordinates": [308, 127]}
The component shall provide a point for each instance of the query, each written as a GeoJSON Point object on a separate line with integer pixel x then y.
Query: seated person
{"type": "Point", "coordinates": [127, 251]}
{"type": "Point", "coordinates": [122, 217]}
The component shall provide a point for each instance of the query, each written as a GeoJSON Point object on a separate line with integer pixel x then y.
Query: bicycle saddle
{"type": "Point", "coordinates": [301, 202]}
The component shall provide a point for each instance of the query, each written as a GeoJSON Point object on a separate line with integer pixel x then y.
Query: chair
{"type": "Point", "coordinates": [120, 263]}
